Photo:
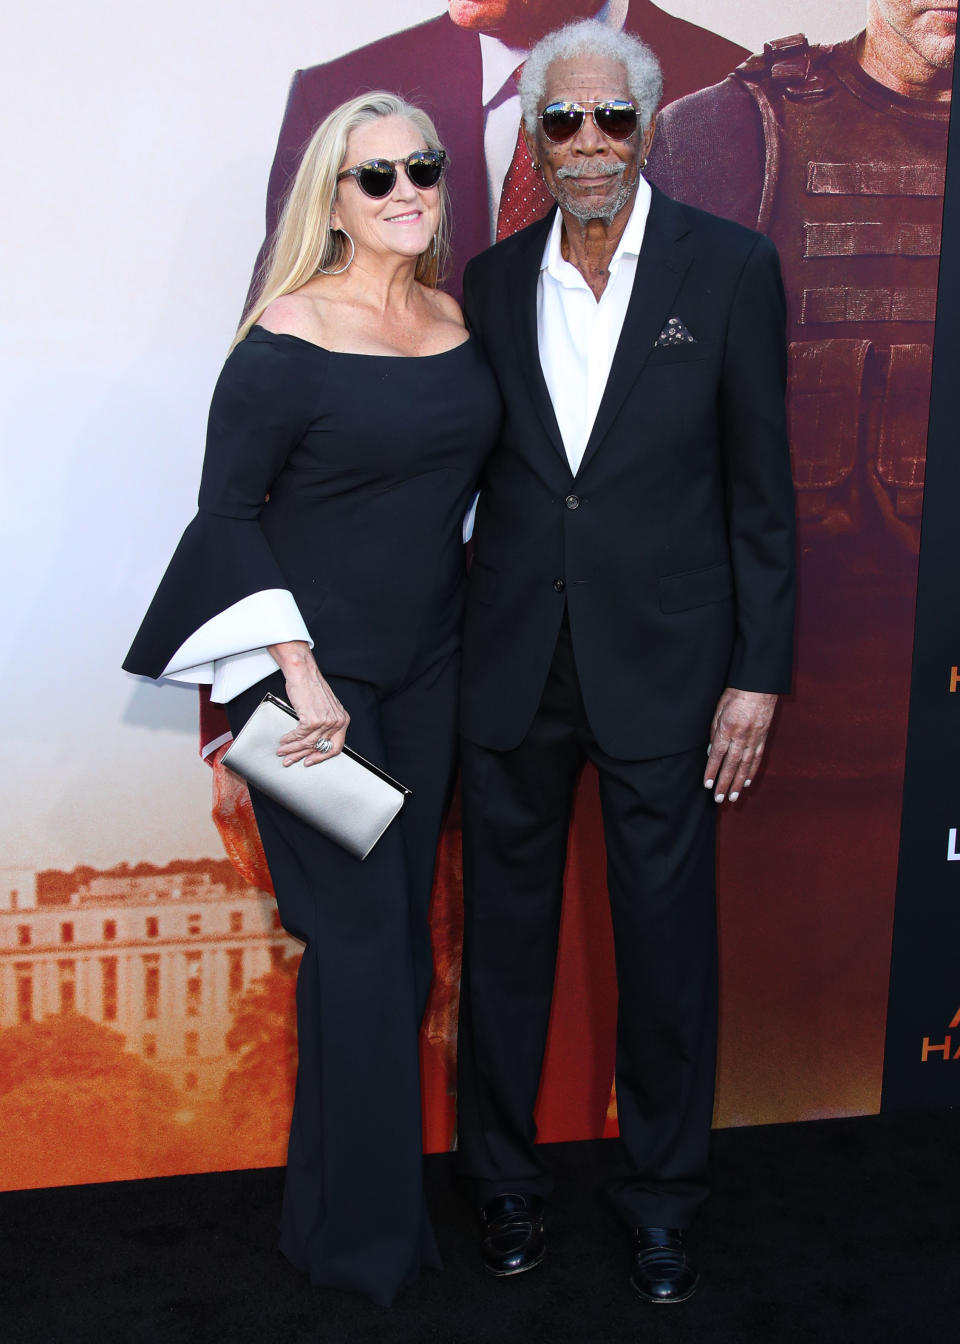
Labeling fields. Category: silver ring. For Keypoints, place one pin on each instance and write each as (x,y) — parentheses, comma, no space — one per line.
(323,745)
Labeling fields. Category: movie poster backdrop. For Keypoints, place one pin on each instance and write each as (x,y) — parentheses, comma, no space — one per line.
(146,989)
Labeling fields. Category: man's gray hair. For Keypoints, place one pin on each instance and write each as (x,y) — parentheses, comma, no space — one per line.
(589,36)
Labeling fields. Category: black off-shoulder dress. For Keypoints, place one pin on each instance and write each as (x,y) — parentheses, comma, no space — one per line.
(333,490)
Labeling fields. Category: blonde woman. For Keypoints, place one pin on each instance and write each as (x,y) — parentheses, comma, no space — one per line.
(346,435)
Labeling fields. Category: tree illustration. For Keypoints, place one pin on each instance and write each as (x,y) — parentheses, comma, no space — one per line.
(76,1106)
(257,1094)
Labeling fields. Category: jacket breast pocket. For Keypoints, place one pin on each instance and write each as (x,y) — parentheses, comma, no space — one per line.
(695,588)
(687,353)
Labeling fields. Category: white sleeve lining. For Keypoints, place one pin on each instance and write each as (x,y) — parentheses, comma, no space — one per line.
(230,650)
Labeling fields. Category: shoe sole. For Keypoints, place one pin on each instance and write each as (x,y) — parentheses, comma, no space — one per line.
(665,1301)
(512,1273)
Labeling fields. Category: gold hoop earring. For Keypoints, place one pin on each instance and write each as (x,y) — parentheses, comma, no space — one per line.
(348,263)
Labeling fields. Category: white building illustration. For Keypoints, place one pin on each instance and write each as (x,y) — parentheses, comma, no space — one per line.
(162,959)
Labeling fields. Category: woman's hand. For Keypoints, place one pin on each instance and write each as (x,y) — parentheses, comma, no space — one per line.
(322,717)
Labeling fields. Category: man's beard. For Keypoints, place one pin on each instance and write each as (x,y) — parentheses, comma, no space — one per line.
(582,210)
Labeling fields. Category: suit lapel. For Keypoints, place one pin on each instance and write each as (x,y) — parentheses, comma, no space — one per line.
(661,266)
(523,301)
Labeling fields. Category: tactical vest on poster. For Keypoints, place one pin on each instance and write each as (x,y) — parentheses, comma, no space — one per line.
(853,198)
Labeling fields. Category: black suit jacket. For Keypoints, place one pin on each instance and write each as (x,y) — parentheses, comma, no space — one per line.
(437,66)
(673,547)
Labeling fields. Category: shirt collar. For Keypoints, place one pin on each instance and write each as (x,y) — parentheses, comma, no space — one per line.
(631,240)
(499,61)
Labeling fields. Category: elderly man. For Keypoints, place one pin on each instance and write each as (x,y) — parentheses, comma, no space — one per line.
(631,604)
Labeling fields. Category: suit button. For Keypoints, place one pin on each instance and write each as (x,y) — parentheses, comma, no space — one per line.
(572,501)
(559,585)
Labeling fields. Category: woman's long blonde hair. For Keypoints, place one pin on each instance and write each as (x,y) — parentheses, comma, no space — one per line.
(304,241)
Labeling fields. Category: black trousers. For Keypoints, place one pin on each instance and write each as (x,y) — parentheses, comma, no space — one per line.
(354,1215)
(659,832)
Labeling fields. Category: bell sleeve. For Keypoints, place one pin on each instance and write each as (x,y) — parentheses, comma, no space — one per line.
(223,598)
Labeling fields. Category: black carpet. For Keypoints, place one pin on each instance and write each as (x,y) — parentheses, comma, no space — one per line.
(838,1230)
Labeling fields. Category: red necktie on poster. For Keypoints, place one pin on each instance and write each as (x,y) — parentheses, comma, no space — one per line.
(524,197)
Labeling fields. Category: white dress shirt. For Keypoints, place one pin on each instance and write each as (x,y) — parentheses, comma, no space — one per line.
(577,334)
(501,116)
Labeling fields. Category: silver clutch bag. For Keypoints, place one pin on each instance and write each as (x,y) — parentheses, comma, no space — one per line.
(346,799)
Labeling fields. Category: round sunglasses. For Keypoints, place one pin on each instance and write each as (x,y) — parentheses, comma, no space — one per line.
(378,177)
(616,118)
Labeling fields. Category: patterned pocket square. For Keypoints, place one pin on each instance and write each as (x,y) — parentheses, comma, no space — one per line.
(674,333)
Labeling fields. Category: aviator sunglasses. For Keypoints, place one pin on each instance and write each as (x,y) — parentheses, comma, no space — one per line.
(378,177)
(616,118)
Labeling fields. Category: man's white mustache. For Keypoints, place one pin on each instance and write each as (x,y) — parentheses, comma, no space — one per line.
(590,169)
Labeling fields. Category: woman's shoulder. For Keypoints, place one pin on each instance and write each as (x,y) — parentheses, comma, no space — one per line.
(299,314)
(446,317)
(276,358)
(444,306)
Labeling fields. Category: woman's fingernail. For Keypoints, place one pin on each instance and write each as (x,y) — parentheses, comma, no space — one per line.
(719,797)
(734,797)
(708,783)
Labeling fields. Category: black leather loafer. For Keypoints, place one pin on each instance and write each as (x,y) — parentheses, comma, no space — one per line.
(512,1238)
(662,1271)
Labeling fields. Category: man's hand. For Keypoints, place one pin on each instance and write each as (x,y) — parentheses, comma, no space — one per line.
(738,735)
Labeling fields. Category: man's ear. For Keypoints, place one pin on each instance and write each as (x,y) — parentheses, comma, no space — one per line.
(531,141)
(648,137)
